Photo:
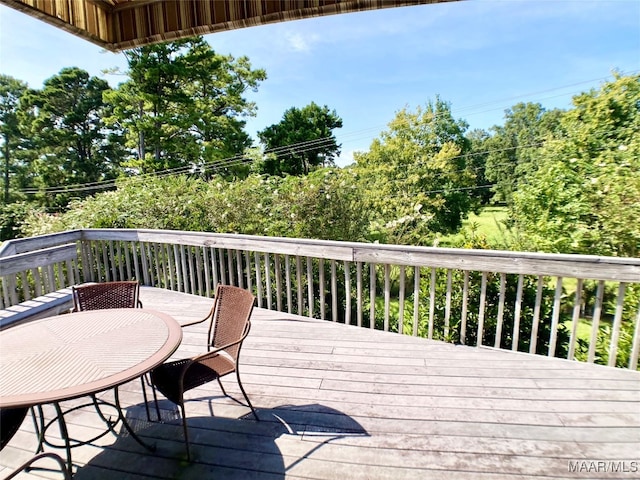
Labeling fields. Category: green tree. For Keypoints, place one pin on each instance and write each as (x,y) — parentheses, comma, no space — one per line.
(512,150)
(477,160)
(183,105)
(416,177)
(585,195)
(11,90)
(72,143)
(301,141)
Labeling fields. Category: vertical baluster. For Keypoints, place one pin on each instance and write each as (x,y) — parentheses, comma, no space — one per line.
(177,262)
(126,247)
(465,306)
(535,322)
(555,316)
(595,322)
(247,261)
(37,282)
(60,278)
(256,256)
(170,266)
(372,295)
(223,269)
(617,321)
(120,262)
(300,278)
(4,301)
(499,321)
(483,300)
(287,267)
(207,271)
(347,289)
(112,261)
(447,307)
(184,268)
(239,268)
(401,302)
(197,251)
(70,274)
(10,289)
(26,294)
(143,261)
(575,320)
(323,309)
(432,301)
(635,349)
(230,272)
(267,277)
(105,261)
(51,281)
(334,292)
(136,265)
(310,299)
(387,295)
(150,263)
(87,262)
(162,272)
(359,293)
(214,268)
(278,273)
(516,314)
(416,300)
(191,256)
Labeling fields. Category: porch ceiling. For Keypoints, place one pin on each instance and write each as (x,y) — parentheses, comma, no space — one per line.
(121,24)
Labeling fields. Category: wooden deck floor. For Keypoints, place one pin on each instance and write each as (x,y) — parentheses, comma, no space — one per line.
(339,402)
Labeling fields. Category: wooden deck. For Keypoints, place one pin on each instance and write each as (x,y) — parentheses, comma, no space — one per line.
(341,402)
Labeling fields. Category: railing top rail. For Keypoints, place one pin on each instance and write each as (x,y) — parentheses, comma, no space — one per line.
(502,261)
(23,261)
(537,263)
(29,244)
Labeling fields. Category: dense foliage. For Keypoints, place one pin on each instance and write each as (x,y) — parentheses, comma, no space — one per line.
(584,195)
(169,147)
(418,182)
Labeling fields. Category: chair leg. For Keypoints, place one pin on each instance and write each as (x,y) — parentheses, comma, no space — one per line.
(253,410)
(222,388)
(186,431)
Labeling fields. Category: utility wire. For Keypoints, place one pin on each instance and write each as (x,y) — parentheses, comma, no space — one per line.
(240,159)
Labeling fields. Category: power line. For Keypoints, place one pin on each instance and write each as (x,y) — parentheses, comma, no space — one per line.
(297,148)
(300,147)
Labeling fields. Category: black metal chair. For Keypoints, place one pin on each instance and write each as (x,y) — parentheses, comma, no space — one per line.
(10,421)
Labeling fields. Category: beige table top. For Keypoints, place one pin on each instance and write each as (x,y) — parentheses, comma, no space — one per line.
(72,355)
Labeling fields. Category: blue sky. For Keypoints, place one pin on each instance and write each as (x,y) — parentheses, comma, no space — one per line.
(481,56)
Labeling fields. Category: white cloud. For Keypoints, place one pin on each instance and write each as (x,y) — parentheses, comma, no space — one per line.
(301,42)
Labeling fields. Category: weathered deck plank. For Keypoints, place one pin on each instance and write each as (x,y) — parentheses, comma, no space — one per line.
(339,402)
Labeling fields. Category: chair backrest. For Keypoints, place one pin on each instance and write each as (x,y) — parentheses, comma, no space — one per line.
(96,296)
(10,421)
(230,320)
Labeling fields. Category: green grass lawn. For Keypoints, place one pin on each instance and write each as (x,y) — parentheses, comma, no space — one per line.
(489,223)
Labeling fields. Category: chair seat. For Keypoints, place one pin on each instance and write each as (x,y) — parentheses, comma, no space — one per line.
(198,373)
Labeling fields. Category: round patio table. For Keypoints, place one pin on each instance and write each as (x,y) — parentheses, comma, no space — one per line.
(77,354)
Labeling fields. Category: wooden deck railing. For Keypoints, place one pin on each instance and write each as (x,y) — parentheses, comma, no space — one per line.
(529,302)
